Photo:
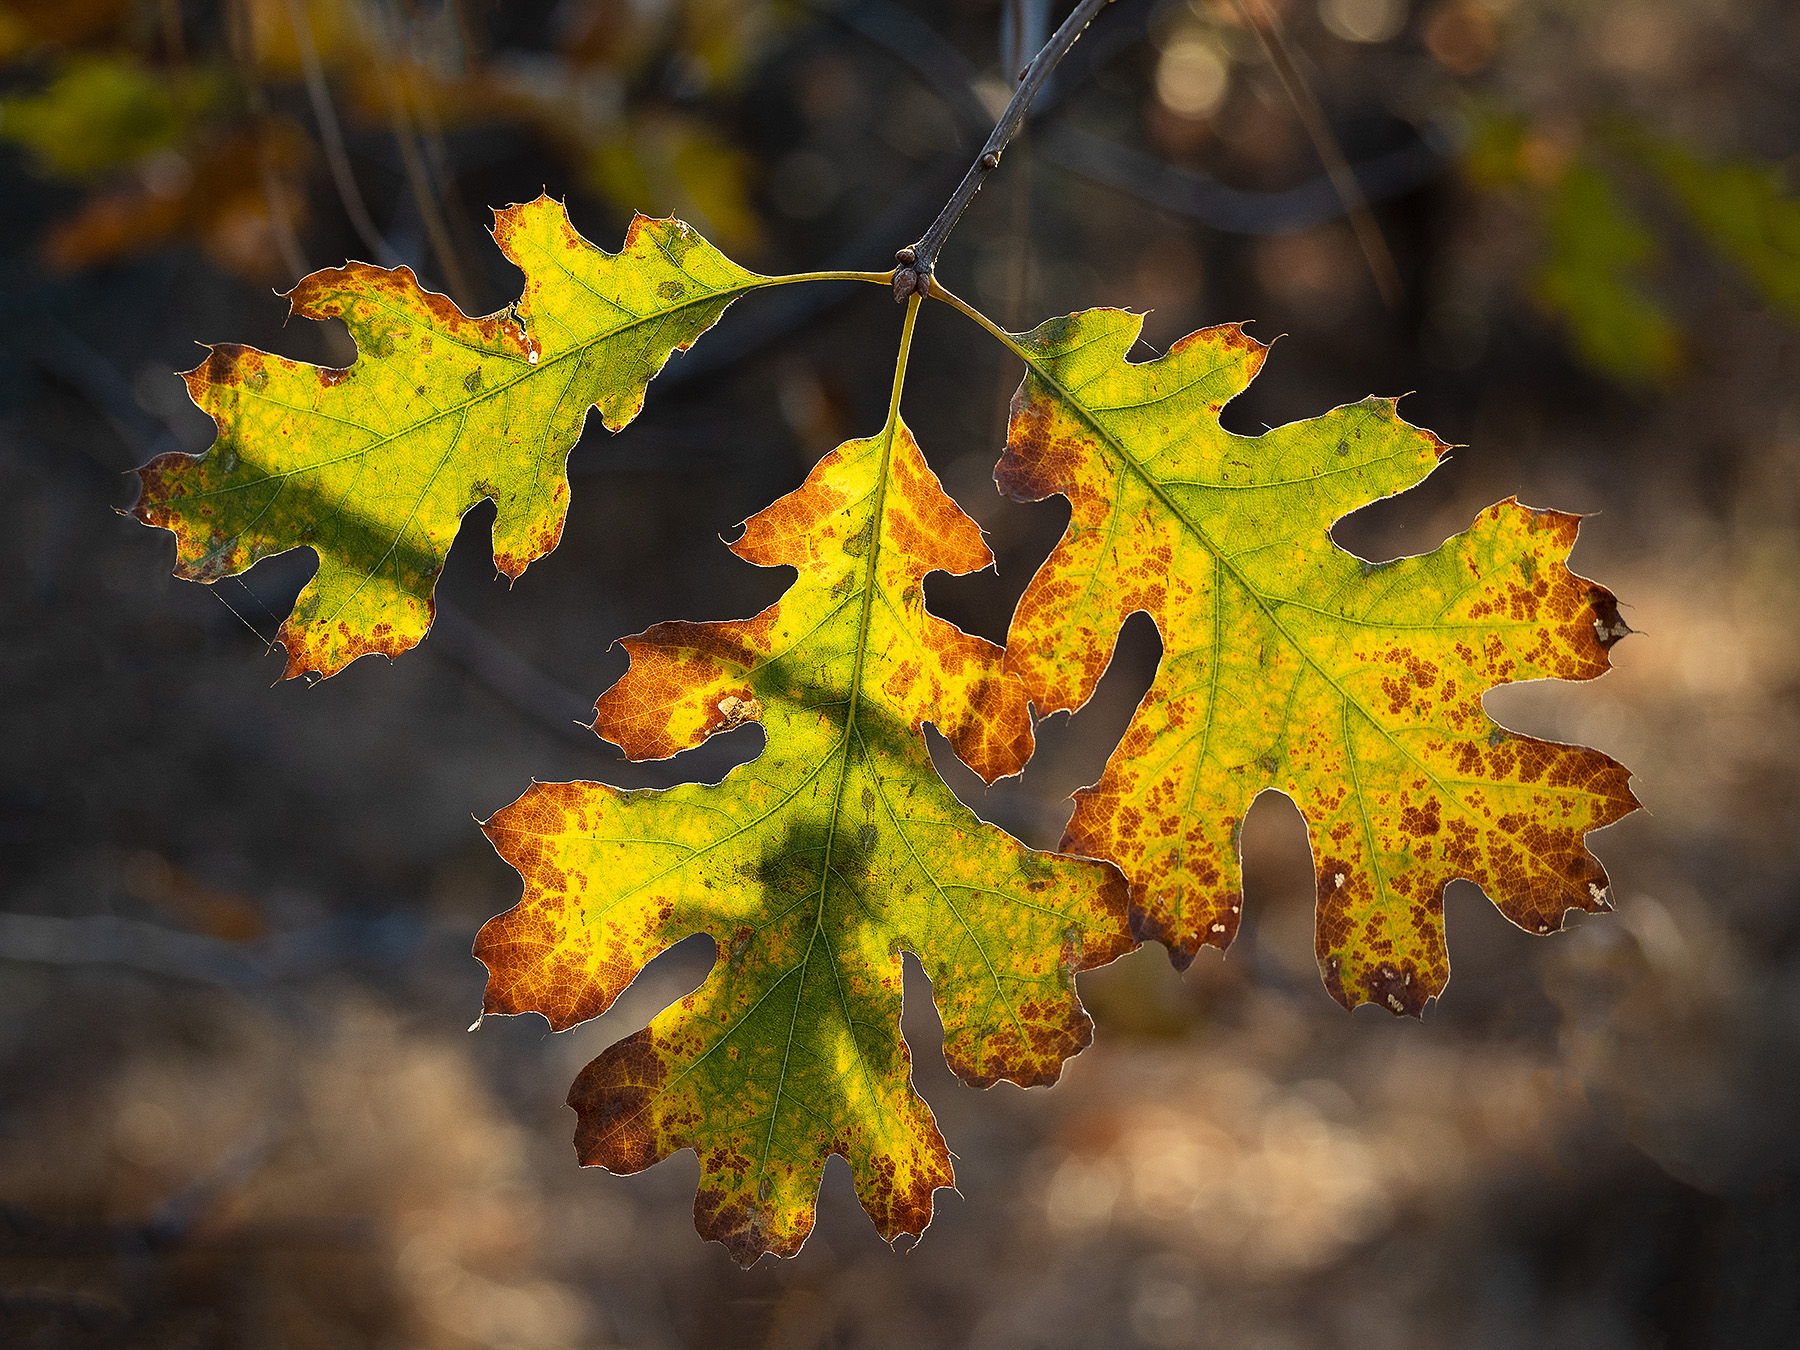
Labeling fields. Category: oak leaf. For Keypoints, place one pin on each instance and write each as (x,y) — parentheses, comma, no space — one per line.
(1288,663)
(374,466)
(813,867)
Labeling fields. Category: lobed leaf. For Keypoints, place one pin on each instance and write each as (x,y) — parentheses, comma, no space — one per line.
(1288,663)
(813,867)
(374,466)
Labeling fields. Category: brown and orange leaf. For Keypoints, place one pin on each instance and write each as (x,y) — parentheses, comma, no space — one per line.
(813,868)
(374,466)
(1288,663)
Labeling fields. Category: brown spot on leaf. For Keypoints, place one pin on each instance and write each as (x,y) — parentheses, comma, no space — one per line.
(613,1099)
(1421,820)
(1396,988)
(1148,927)
(905,1209)
(314,647)
(221,365)
(1036,463)
(673,694)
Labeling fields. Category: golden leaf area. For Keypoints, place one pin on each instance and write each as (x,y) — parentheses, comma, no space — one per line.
(1288,664)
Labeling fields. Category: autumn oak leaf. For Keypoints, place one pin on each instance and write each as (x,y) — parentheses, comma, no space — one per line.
(1288,663)
(373,466)
(813,868)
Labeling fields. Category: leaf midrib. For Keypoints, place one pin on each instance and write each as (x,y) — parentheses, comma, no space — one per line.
(852,705)
(531,371)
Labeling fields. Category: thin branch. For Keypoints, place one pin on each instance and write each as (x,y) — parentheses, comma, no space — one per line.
(449,194)
(916,262)
(1318,130)
(553,706)
(154,949)
(281,221)
(922,48)
(1234,210)
(395,50)
(331,137)
(436,230)
(58,351)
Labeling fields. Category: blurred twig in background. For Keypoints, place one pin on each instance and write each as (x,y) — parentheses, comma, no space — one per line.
(1267,28)
(331,136)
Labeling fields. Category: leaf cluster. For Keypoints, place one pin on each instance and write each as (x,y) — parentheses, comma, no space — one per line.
(1288,664)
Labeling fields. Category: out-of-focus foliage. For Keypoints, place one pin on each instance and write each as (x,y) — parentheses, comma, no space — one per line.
(671,158)
(1599,178)
(220,130)
(1747,212)
(1597,254)
(223,194)
(1601,251)
(103,112)
(28,27)
(215,130)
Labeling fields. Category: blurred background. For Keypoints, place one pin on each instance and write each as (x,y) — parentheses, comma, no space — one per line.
(238,1106)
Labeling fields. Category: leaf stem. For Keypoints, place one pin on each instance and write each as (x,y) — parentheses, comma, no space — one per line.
(791,278)
(917,261)
(941,292)
(1369,239)
(906,337)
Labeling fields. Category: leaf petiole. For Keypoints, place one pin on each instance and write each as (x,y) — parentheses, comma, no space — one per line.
(941,292)
(906,337)
(874,278)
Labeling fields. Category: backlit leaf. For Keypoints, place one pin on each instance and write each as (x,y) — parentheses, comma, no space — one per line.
(813,867)
(374,466)
(1290,664)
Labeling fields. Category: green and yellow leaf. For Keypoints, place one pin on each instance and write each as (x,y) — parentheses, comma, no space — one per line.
(374,466)
(1288,663)
(813,868)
